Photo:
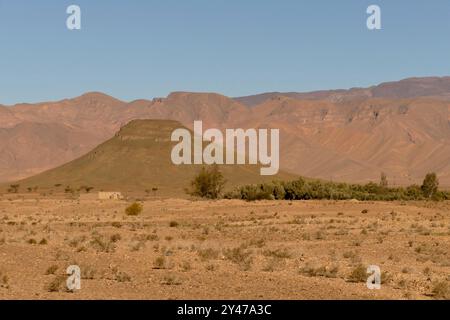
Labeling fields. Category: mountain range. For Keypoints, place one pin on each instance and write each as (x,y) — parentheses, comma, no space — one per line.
(399,128)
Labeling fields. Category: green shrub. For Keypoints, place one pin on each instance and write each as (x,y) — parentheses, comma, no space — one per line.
(208,183)
(430,185)
(253,193)
(414,192)
(134,209)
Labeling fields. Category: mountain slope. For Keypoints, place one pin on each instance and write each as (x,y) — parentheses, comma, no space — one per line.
(405,138)
(28,148)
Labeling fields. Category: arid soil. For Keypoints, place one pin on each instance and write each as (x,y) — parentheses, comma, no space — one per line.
(181,249)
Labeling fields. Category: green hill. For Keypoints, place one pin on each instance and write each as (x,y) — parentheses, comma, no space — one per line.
(136,159)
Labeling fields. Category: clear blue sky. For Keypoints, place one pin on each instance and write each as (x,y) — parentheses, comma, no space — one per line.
(148,48)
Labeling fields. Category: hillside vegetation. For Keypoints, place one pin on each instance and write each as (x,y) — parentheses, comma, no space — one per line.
(303,189)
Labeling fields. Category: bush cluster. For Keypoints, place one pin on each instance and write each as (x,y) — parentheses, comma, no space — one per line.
(208,183)
(303,189)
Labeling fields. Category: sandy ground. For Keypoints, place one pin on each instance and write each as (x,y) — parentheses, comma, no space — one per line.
(180,249)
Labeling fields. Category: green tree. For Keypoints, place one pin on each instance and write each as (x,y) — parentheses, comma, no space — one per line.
(383,180)
(208,183)
(430,185)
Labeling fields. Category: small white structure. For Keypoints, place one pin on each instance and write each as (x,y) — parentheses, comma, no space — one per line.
(101,196)
(110,196)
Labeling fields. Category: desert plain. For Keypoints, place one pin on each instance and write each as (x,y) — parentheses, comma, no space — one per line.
(226,249)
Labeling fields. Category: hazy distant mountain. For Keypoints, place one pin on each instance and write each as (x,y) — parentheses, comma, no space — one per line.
(408,88)
(401,128)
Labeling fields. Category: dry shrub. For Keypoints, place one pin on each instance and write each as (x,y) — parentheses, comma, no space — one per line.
(134,209)
(358,274)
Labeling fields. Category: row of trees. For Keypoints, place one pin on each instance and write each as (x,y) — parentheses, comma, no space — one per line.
(429,188)
(209,183)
